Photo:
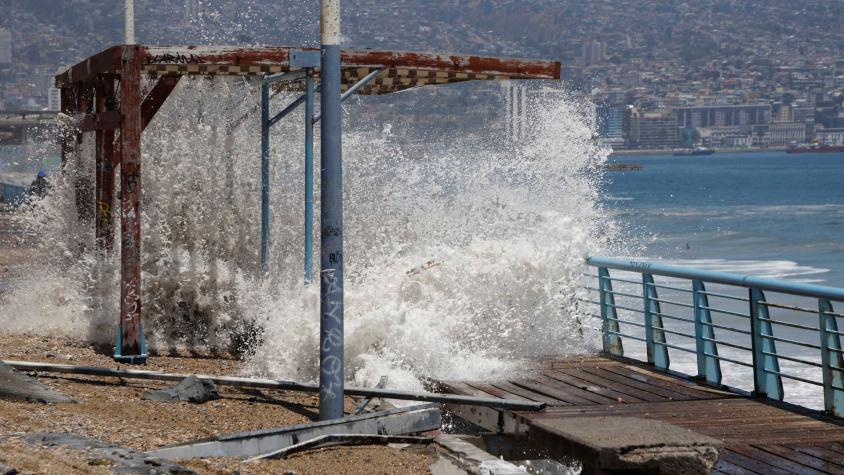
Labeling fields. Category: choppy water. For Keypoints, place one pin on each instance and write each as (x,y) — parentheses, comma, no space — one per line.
(461,260)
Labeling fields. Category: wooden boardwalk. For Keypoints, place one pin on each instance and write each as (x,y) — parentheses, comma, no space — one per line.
(759,436)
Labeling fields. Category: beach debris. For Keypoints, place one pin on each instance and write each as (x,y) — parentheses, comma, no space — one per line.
(382,382)
(400,421)
(16,386)
(452,399)
(118,459)
(6,470)
(190,389)
(344,439)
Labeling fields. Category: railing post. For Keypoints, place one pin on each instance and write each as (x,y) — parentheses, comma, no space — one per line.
(708,367)
(657,354)
(609,317)
(832,361)
(764,349)
(265,176)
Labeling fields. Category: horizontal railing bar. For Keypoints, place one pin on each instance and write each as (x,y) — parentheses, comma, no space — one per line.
(725,343)
(724,296)
(666,287)
(729,360)
(835,351)
(725,312)
(626,322)
(623,294)
(672,332)
(789,324)
(616,279)
(593,315)
(588,301)
(790,342)
(679,319)
(680,348)
(594,276)
(834,332)
(619,307)
(729,329)
(773,285)
(834,314)
(796,378)
(626,336)
(790,358)
(787,307)
(671,302)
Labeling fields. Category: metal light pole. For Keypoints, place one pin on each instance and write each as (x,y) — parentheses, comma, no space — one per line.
(129,18)
(331,377)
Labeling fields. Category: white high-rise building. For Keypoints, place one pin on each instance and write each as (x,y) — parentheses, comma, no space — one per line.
(54,99)
(5,46)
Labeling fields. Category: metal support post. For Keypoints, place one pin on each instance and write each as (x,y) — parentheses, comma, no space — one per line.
(265,176)
(309,177)
(654,333)
(766,367)
(708,365)
(832,360)
(609,316)
(130,346)
(331,376)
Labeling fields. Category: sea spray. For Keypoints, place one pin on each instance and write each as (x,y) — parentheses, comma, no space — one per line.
(462,256)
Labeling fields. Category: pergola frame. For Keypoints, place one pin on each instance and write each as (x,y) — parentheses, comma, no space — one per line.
(119,115)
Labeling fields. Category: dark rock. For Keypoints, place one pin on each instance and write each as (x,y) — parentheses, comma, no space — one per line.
(190,389)
(20,387)
(4,470)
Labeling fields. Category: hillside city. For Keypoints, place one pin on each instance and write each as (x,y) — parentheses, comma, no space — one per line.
(725,74)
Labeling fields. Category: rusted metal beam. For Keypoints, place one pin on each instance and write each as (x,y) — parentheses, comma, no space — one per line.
(104,220)
(83,183)
(156,97)
(105,120)
(107,61)
(227,56)
(130,347)
(68,106)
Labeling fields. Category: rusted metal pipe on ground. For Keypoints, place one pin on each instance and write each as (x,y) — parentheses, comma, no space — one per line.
(279,385)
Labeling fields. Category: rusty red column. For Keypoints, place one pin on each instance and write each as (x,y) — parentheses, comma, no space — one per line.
(130,345)
(104,220)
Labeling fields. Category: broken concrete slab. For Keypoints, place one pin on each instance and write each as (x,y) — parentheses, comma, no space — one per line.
(190,389)
(608,445)
(472,459)
(122,460)
(20,387)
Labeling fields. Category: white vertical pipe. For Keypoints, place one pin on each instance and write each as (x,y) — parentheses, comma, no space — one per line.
(129,19)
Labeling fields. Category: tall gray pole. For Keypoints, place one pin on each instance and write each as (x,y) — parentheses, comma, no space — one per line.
(129,22)
(331,377)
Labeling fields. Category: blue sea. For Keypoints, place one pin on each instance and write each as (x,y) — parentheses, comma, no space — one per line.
(770,214)
(765,214)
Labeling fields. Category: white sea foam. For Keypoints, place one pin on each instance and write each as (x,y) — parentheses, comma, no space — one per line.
(461,261)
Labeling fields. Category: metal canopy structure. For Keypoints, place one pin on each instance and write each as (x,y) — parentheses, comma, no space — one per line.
(102,94)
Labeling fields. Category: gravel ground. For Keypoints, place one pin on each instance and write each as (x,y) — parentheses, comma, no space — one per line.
(111,410)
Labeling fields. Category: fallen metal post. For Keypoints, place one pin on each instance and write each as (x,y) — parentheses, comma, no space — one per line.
(408,420)
(344,439)
(352,90)
(508,404)
(331,360)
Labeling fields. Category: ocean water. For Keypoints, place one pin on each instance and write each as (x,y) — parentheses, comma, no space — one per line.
(764,214)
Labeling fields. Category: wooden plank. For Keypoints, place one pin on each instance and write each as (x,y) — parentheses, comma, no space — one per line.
(803,459)
(722,466)
(823,454)
(568,395)
(618,397)
(465,389)
(771,459)
(652,388)
(834,446)
(616,386)
(691,389)
(751,464)
(526,393)
(489,389)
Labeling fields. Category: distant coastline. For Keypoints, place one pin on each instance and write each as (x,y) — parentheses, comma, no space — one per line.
(640,153)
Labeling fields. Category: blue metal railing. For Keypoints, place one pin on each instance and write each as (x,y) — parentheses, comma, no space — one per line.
(750,319)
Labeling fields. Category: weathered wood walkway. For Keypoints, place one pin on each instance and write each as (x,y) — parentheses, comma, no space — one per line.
(759,436)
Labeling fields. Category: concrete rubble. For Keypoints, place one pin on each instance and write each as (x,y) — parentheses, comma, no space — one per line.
(19,387)
(190,389)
